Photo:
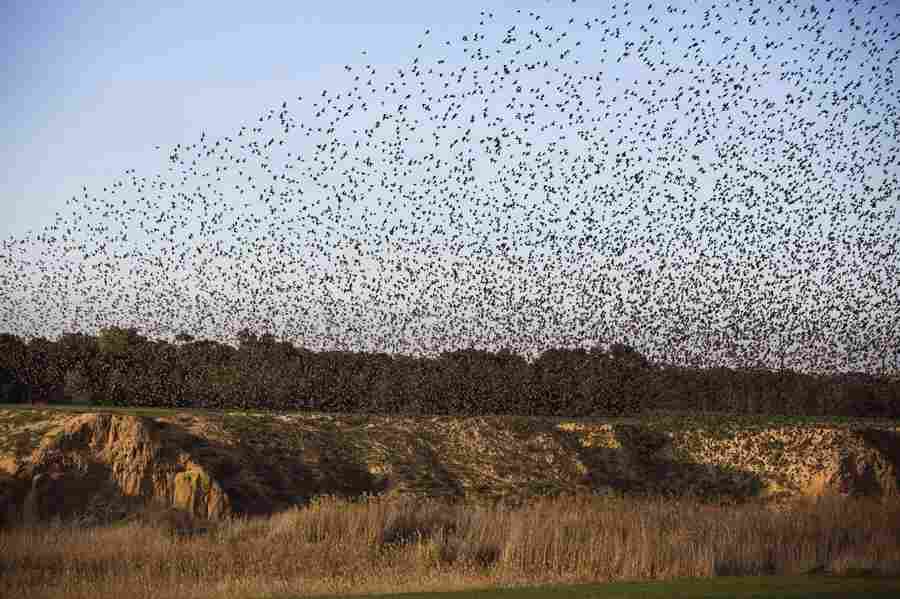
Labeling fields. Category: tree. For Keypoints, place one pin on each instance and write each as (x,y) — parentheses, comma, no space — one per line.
(116,341)
(184,338)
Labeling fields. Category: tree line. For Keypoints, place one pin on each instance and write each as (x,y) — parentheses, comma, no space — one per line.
(121,367)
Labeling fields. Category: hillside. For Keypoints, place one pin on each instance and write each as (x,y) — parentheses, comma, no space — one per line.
(69,461)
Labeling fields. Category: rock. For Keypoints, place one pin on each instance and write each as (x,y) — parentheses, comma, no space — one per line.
(196,494)
(103,458)
(211,468)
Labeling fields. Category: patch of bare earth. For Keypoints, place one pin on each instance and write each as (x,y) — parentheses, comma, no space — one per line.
(222,464)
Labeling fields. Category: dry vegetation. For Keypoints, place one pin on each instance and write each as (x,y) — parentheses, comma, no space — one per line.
(407,544)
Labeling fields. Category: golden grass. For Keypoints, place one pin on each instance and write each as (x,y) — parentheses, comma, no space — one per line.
(405,544)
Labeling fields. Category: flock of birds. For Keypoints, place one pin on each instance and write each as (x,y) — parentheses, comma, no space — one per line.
(713,183)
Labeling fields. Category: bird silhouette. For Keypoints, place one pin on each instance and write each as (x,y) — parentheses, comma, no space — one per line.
(716,183)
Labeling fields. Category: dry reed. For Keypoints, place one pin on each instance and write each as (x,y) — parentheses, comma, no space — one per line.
(407,544)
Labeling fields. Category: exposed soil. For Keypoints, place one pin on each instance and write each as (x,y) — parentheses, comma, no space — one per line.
(63,463)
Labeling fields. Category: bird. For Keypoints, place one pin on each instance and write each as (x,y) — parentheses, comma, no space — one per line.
(716,183)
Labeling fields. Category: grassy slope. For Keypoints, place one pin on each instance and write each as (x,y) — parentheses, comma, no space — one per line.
(479,454)
(660,419)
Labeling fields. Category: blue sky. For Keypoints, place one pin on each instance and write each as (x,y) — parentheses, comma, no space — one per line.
(95,87)
(92,87)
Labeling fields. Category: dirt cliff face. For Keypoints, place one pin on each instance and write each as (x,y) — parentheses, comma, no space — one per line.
(89,459)
(54,462)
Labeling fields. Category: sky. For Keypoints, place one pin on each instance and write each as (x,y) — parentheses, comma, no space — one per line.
(93,87)
(100,89)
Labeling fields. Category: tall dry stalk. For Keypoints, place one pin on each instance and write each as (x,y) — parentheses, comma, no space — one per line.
(406,544)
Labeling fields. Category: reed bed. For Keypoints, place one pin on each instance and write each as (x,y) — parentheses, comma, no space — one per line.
(405,544)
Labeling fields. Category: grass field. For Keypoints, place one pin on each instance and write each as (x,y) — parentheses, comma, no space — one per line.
(728,587)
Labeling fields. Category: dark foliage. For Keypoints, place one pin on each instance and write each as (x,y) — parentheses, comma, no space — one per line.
(122,368)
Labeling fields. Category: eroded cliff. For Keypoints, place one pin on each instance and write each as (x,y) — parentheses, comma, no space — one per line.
(55,462)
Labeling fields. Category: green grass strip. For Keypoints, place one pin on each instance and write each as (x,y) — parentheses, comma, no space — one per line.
(723,587)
